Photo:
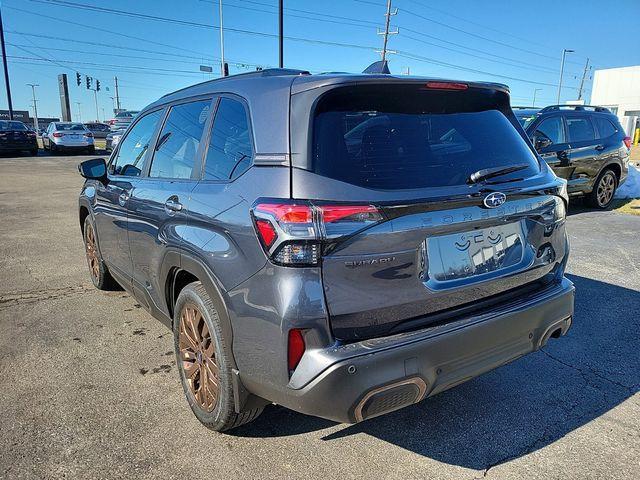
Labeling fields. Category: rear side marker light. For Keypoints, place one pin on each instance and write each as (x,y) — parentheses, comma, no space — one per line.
(447,86)
(627,142)
(267,233)
(295,348)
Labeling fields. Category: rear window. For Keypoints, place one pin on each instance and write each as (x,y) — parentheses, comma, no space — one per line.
(10,125)
(373,138)
(70,126)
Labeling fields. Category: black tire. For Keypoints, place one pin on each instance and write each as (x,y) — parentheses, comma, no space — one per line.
(52,148)
(91,150)
(604,190)
(221,416)
(99,273)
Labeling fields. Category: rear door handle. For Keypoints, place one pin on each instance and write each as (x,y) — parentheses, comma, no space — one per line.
(599,147)
(172,205)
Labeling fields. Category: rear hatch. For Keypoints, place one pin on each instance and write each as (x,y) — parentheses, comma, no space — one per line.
(418,238)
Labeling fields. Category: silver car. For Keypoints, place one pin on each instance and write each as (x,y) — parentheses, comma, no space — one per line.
(112,139)
(123,119)
(68,136)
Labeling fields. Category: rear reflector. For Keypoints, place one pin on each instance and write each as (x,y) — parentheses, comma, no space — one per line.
(627,142)
(447,86)
(296,348)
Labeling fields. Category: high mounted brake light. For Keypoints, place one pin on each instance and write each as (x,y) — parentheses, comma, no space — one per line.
(447,86)
(291,233)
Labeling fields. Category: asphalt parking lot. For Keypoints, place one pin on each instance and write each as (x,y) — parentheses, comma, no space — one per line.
(89,388)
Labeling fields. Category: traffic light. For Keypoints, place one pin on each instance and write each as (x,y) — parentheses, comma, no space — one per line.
(78,78)
(88,83)
(97,85)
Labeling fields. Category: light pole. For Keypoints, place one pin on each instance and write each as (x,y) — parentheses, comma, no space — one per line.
(79,113)
(222,72)
(564,53)
(534,96)
(35,104)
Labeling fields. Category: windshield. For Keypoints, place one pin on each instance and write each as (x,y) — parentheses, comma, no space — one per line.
(525,120)
(9,125)
(392,146)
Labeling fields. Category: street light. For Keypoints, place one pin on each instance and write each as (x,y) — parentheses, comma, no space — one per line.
(564,53)
(533,104)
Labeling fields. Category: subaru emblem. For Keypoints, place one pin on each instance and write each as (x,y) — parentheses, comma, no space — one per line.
(494,199)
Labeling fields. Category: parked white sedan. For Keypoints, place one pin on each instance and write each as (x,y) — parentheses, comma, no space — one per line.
(68,136)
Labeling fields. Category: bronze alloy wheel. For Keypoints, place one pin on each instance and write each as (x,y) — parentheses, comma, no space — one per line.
(198,356)
(92,253)
(606,188)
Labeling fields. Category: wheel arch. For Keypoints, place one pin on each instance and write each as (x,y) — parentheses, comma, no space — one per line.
(180,269)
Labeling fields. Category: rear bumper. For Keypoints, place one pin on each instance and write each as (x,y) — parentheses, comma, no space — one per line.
(362,380)
(11,146)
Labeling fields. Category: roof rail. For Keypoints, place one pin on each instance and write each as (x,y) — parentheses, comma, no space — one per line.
(522,107)
(267,72)
(553,108)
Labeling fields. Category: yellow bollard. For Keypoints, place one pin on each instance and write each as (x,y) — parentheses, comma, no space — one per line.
(637,137)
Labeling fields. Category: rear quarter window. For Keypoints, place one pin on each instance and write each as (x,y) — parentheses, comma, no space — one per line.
(605,127)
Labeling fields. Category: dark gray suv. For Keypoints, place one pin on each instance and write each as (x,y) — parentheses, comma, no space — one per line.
(342,245)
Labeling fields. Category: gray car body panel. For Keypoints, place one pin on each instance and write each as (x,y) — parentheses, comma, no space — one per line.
(213,238)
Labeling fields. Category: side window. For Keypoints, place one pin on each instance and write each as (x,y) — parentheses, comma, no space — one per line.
(178,142)
(551,128)
(580,129)
(129,160)
(230,152)
(605,127)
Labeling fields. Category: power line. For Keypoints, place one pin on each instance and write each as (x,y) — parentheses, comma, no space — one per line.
(472,70)
(180,22)
(445,25)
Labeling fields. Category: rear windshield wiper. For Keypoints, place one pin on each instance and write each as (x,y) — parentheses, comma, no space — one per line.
(487,173)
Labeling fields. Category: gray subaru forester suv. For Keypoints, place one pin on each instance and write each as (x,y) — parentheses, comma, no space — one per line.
(343,245)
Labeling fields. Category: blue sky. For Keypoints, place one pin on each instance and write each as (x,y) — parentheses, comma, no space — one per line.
(514,42)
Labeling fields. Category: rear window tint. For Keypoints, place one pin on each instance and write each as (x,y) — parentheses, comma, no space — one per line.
(580,129)
(416,140)
(605,127)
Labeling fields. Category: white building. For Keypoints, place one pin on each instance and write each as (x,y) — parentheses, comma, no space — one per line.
(619,90)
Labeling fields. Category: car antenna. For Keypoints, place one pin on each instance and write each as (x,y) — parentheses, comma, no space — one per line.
(380,67)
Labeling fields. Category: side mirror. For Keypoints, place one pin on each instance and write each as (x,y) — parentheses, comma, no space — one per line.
(94,169)
(541,142)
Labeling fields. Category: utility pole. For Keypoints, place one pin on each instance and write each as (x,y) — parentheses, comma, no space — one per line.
(79,112)
(564,53)
(115,80)
(386,32)
(584,75)
(35,104)
(6,70)
(407,71)
(95,98)
(222,69)
(280,34)
(536,90)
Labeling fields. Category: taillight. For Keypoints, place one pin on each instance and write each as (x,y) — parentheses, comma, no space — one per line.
(292,232)
(295,348)
(627,142)
(31,134)
(58,134)
(447,86)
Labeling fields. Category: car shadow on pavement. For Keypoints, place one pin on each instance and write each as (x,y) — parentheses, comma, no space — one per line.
(518,408)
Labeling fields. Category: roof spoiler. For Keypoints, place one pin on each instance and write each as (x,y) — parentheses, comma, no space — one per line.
(379,67)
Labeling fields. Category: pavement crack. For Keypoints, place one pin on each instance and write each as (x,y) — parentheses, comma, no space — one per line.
(591,371)
(32,296)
